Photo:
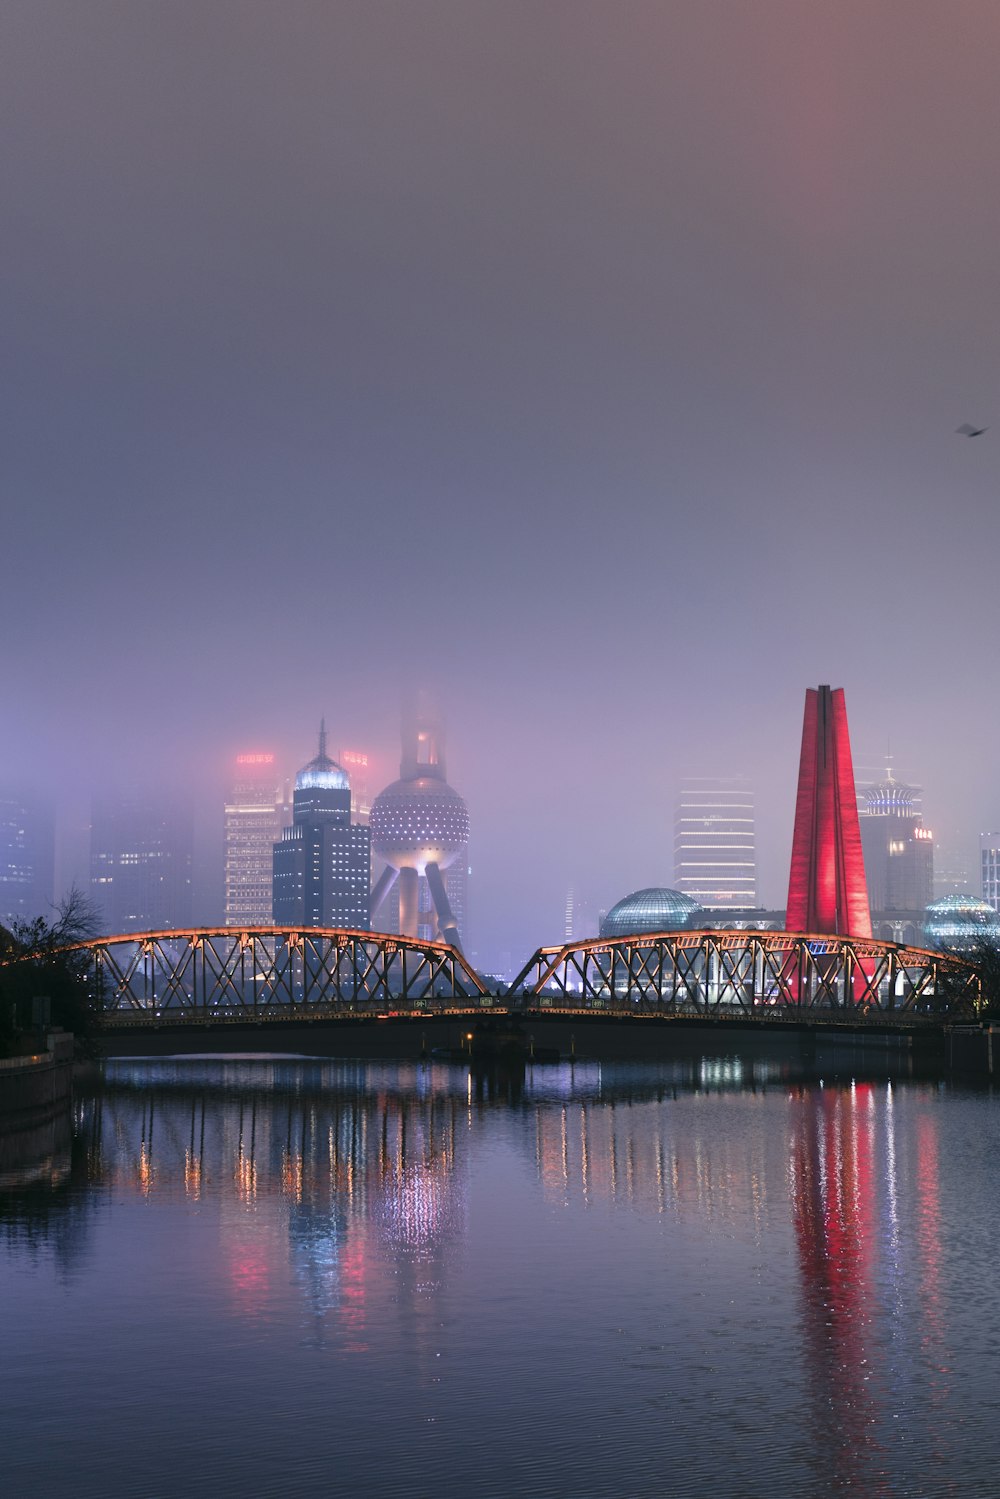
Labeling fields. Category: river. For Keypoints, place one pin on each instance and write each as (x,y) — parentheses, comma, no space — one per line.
(710,1277)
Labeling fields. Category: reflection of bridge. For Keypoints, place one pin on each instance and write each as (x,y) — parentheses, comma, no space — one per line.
(280,974)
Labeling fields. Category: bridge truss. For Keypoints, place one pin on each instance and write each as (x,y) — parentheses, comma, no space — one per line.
(755,973)
(270,973)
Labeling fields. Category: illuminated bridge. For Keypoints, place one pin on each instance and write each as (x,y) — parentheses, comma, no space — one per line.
(751,974)
(212,976)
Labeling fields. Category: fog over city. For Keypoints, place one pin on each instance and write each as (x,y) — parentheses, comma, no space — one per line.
(596,367)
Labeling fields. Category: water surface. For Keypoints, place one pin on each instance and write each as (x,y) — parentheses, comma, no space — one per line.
(273,1277)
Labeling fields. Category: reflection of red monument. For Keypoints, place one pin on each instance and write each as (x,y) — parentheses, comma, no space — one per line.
(827,892)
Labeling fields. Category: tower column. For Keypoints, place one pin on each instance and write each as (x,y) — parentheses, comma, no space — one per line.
(408,885)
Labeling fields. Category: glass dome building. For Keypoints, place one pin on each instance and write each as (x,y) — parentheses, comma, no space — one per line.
(652,910)
(960,921)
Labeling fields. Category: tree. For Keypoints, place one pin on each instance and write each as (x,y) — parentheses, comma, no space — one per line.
(36,959)
(982,955)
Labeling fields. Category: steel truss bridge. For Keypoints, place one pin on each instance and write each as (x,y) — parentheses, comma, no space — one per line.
(757,975)
(281,974)
(270,973)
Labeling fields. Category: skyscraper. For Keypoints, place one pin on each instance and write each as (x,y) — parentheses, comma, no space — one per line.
(27,847)
(898,849)
(322,863)
(140,864)
(714,858)
(989,865)
(253,825)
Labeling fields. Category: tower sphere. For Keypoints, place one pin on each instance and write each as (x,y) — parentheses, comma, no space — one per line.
(419,821)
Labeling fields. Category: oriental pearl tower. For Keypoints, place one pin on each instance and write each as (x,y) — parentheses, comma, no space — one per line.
(419,825)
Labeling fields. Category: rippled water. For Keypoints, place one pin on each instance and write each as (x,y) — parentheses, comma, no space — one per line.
(259,1277)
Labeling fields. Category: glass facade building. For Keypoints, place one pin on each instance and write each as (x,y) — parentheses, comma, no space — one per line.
(140,864)
(989,868)
(714,852)
(254,820)
(27,846)
(321,867)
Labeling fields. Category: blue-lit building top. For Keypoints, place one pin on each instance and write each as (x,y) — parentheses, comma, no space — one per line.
(655,909)
(321,867)
(960,921)
(322,789)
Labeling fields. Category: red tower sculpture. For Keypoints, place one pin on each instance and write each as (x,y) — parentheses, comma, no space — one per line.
(827,891)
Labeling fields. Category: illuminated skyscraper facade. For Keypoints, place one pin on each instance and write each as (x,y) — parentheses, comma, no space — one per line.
(140,864)
(989,866)
(254,822)
(714,856)
(898,850)
(26,859)
(322,863)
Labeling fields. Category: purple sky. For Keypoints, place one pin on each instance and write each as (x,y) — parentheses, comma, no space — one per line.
(596,364)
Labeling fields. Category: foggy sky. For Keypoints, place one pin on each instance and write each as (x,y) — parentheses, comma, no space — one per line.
(595,364)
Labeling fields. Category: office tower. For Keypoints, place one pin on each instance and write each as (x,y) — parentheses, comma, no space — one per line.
(254,820)
(826,881)
(355,762)
(140,864)
(322,863)
(27,856)
(714,859)
(989,868)
(420,828)
(898,849)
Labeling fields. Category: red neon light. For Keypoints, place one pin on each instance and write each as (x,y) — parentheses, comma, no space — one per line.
(827,890)
(353,757)
(255,759)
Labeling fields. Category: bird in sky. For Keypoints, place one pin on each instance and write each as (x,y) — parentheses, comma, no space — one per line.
(967,430)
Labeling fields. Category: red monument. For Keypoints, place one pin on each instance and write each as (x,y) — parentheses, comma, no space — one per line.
(827,892)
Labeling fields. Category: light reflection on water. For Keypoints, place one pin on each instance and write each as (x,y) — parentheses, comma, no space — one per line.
(712,1276)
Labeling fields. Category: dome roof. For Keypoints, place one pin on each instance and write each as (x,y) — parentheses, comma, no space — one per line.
(955,920)
(889,796)
(322,773)
(652,910)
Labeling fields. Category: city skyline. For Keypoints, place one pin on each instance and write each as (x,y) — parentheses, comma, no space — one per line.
(627,326)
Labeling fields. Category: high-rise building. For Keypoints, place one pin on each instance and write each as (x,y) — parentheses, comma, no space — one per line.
(898,850)
(27,847)
(254,820)
(140,864)
(322,863)
(714,858)
(355,762)
(989,867)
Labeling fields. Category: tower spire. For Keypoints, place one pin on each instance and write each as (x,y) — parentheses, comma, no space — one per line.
(322,738)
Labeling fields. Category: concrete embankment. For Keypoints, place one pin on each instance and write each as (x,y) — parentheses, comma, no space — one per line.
(974,1049)
(33,1089)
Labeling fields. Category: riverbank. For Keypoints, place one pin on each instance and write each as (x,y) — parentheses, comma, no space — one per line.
(35,1088)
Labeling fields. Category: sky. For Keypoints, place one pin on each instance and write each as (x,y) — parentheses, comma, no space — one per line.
(595,366)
